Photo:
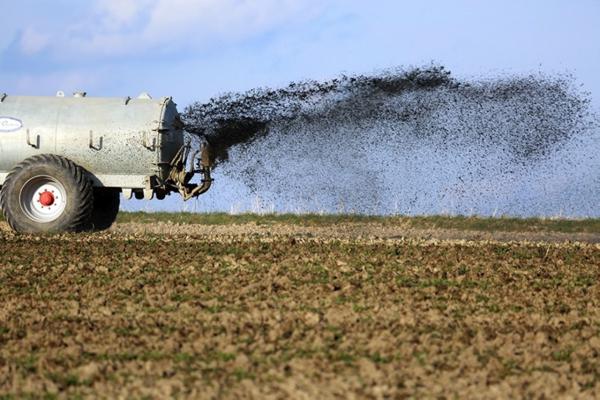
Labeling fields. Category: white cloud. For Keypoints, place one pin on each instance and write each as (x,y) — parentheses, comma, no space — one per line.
(33,41)
(118,13)
(133,27)
(222,18)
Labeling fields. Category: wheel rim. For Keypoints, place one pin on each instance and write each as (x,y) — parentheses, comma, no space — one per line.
(43,199)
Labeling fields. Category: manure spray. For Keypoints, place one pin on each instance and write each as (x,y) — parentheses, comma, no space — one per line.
(407,141)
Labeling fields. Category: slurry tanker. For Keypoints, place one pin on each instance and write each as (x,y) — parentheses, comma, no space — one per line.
(65,161)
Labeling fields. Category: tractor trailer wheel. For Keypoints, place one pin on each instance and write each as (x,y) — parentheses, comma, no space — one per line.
(47,193)
(106,208)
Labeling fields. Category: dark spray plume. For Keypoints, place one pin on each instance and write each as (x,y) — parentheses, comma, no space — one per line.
(239,118)
(410,141)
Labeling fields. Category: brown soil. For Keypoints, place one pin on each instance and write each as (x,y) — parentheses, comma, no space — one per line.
(353,231)
(346,311)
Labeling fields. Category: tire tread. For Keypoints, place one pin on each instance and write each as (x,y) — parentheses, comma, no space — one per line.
(86,203)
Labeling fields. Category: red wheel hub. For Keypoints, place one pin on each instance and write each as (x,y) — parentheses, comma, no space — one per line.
(46,199)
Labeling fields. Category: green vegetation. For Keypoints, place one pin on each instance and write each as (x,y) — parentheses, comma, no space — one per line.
(463,223)
(485,224)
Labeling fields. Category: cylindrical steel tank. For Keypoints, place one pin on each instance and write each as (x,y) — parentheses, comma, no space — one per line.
(121,142)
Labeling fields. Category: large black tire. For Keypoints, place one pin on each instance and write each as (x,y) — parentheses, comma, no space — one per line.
(22,196)
(106,208)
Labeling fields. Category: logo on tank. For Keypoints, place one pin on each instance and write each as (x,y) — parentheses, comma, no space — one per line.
(10,124)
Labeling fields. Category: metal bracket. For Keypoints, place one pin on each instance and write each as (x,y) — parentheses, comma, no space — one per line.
(181,177)
(91,142)
(36,144)
(152,146)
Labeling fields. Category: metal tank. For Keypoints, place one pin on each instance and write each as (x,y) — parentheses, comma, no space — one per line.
(129,145)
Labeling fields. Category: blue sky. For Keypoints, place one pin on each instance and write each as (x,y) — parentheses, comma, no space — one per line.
(196,49)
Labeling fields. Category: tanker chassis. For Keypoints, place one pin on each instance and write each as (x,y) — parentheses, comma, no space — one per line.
(64,161)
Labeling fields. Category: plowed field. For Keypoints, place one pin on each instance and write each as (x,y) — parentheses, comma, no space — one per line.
(283,310)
